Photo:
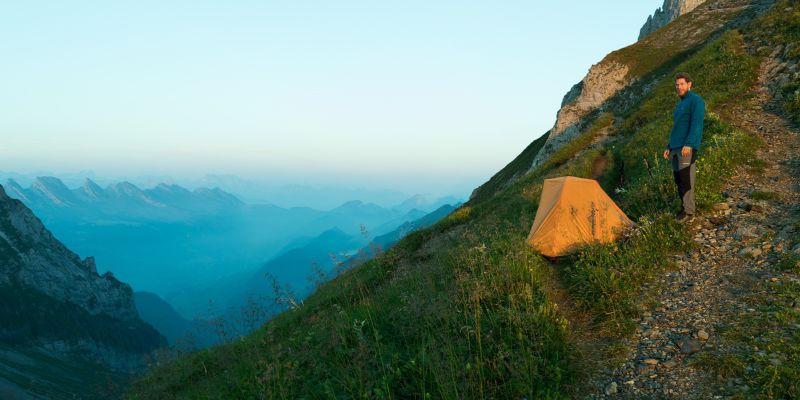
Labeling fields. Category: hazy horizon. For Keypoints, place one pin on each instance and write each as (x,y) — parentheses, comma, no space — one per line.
(412,96)
(284,194)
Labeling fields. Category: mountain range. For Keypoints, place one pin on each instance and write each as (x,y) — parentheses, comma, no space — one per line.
(177,243)
(59,314)
(163,202)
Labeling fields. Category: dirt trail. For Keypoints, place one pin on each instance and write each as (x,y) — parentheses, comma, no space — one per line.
(739,245)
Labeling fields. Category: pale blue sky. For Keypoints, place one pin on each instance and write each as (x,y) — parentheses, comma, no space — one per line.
(343,92)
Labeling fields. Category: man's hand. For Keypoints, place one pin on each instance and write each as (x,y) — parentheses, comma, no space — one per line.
(686,151)
(666,154)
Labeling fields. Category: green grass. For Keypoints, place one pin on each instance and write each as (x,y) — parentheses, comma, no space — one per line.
(780,27)
(756,166)
(654,55)
(471,323)
(764,346)
(579,143)
(789,262)
(763,195)
(460,310)
(607,279)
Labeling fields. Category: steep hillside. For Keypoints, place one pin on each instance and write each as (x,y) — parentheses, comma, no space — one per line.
(388,239)
(465,309)
(616,84)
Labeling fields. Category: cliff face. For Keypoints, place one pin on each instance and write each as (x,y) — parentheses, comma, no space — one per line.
(667,13)
(603,80)
(36,259)
(51,299)
(624,76)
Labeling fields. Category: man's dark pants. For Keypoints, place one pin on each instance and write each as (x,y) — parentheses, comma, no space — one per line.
(683,169)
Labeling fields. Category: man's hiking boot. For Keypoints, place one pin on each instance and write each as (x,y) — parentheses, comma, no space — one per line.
(683,217)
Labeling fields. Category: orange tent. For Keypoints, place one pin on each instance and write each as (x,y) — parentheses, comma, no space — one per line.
(573,211)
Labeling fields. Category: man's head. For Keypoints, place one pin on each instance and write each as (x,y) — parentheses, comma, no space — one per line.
(683,83)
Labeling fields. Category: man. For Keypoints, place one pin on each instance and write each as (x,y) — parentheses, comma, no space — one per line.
(684,141)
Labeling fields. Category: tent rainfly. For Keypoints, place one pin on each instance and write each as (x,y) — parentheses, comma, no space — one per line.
(573,211)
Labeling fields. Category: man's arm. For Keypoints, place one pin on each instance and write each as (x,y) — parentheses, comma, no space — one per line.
(696,124)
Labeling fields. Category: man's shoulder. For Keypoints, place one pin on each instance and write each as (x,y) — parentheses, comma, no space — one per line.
(696,97)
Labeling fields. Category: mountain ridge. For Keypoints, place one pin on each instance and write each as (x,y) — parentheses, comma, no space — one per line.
(665,14)
(35,259)
(54,305)
(621,79)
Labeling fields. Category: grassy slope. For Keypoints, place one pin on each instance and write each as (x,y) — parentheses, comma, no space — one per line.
(460,310)
(648,60)
(35,373)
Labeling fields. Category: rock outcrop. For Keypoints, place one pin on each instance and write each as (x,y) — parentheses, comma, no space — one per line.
(39,261)
(624,77)
(603,81)
(620,74)
(667,13)
(52,299)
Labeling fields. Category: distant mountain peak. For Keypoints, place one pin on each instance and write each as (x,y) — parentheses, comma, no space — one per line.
(356,206)
(92,190)
(414,201)
(127,189)
(49,196)
(15,190)
(171,188)
(53,189)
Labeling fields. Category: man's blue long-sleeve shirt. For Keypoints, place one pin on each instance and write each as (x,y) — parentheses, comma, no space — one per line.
(687,127)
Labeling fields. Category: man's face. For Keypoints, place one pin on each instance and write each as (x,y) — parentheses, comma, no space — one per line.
(682,86)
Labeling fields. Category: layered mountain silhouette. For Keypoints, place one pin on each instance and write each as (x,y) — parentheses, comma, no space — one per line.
(163,202)
(177,242)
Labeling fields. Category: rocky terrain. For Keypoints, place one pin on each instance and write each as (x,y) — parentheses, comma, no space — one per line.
(63,327)
(40,262)
(740,246)
(625,77)
(667,13)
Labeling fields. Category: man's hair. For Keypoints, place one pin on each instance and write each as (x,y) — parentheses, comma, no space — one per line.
(685,76)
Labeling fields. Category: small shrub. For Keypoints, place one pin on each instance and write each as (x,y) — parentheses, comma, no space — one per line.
(789,262)
(763,195)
